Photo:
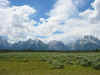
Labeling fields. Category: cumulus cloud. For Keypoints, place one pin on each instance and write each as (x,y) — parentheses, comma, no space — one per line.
(58,16)
(93,15)
(4,3)
(63,18)
(15,21)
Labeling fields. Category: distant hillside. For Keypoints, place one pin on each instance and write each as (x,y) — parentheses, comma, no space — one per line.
(87,43)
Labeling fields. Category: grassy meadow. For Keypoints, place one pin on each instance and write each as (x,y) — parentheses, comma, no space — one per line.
(49,63)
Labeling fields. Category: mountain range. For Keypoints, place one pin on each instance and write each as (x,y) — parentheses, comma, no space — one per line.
(85,43)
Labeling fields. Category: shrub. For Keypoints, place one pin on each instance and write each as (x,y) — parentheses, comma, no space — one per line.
(79,57)
(96,66)
(57,65)
(3,70)
(44,59)
(50,61)
(70,62)
(25,60)
(97,59)
(85,62)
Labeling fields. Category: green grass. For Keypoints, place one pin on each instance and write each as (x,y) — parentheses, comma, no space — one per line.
(48,63)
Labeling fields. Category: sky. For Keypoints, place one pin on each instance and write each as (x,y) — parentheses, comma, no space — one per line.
(61,20)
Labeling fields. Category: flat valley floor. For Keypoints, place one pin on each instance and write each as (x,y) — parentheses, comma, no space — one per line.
(49,63)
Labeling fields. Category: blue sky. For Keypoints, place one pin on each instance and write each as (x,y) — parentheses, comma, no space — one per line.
(44,6)
(86,4)
(49,19)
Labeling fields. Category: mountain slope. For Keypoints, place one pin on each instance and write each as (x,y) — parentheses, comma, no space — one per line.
(57,45)
(87,43)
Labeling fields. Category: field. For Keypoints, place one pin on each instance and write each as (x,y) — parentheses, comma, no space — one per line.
(49,63)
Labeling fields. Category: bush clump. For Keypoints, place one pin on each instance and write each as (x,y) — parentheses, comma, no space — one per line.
(96,66)
(43,59)
(57,65)
(60,66)
(85,62)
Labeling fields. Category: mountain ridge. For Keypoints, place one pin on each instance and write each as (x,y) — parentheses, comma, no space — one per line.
(86,43)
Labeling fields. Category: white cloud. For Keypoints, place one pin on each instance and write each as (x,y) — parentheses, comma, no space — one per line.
(62,11)
(59,19)
(4,3)
(93,15)
(15,21)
